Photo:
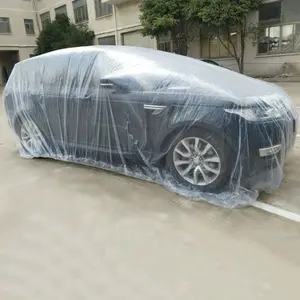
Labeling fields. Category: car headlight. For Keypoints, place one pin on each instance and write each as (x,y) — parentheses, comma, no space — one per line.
(256,113)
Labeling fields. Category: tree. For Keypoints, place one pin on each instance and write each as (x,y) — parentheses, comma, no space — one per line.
(174,17)
(61,33)
(227,21)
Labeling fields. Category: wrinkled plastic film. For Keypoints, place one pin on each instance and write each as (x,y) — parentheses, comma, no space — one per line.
(200,130)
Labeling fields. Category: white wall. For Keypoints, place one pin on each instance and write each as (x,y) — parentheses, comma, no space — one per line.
(17,41)
(17,11)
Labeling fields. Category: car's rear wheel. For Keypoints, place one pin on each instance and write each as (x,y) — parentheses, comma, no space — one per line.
(31,138)
(200,159)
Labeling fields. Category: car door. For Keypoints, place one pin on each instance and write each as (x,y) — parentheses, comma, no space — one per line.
(102,116)
(68,100)
(123,123)
(93,112)
(81,102)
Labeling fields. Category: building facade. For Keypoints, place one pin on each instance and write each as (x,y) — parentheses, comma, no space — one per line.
(114,25)
(18,29)
(116,22)
(277,51)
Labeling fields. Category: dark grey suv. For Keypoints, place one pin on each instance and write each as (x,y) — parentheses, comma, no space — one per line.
(210,128)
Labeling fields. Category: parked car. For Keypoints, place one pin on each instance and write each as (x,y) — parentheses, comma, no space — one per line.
(212,62)
(210,128)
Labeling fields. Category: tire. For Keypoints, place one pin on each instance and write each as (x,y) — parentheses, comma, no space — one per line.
(31,138)
(211,175)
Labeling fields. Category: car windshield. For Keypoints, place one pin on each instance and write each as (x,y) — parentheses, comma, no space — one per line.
(162,82)
(141,72)
(149,82)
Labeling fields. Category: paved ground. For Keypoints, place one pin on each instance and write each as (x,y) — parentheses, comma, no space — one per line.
(288,196)
(73,232)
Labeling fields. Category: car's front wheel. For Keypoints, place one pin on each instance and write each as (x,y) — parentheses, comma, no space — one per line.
(200,159)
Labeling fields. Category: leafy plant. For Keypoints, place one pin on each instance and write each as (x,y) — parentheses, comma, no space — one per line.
(226,19)
(61,33)
(174,17)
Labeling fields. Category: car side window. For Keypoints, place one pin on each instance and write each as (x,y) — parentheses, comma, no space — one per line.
(80,75)
(124,84)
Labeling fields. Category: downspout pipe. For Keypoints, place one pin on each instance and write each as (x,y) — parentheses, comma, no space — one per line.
(36,15)
(116,26)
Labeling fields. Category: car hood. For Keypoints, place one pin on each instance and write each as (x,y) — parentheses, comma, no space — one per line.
(240,89)
(234,89)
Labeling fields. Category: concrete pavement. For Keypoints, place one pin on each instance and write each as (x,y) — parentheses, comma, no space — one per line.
(288,196)
(74,232)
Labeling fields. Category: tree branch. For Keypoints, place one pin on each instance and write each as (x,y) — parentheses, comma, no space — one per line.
(231,43)
(225,46)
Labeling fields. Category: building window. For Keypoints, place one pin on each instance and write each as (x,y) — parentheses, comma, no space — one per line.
(62,10)
(271,11)
(102,9)
(107,40)
(80,11)
(280,39)
(45,18)
(4,25)
(164,46)
(212,47)
(164,43)
(29,26)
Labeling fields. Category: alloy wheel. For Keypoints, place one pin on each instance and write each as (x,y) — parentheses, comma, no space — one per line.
(31,138)
(197,161)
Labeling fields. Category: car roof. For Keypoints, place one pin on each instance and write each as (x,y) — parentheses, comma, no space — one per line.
(138,63)
(92,49)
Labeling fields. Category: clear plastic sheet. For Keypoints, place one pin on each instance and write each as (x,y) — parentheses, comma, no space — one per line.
(200,130)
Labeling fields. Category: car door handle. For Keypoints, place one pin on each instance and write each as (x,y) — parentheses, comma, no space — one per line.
(87,98)
(157,109)
(107,85)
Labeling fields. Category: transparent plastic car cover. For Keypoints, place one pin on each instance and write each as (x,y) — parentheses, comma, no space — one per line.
(200,130)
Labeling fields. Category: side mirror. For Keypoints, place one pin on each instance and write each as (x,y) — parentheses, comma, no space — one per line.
(106,84)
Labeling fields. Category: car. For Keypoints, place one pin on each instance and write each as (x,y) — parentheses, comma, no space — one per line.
(212,62)
(206,129)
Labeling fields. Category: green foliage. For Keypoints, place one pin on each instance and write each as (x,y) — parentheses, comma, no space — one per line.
(221,13)
(176,17)
(222,16)
(61,33)
(161,16)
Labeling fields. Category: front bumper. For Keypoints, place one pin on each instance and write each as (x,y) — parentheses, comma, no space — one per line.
(264,153)
(272,150)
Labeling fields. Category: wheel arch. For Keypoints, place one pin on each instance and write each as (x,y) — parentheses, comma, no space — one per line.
(27,115)
(181,128)
(18,120)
